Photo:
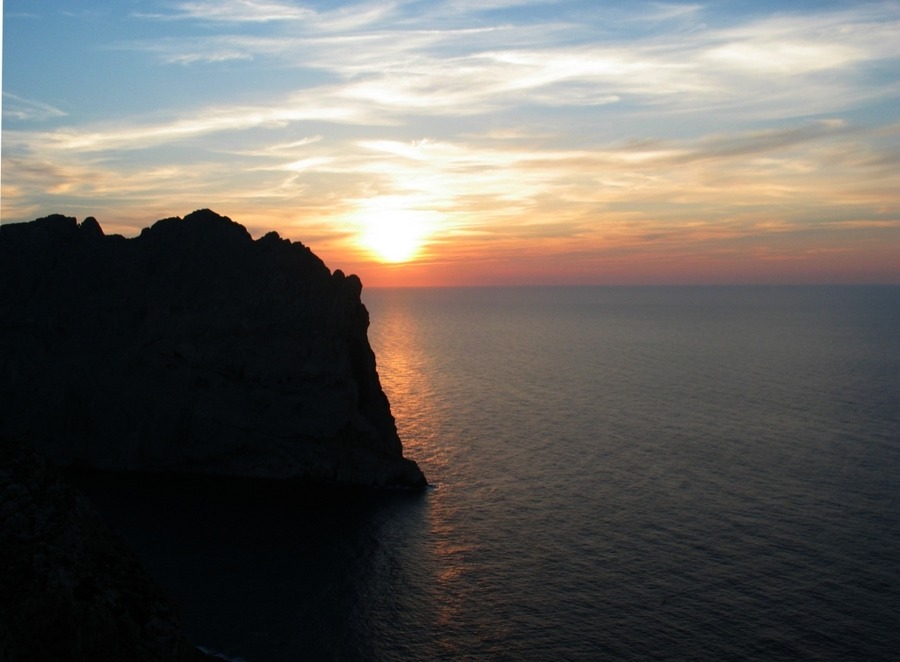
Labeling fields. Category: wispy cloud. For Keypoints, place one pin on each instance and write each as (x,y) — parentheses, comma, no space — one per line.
(28,110)
(416,65)
(199,122)
(237,11)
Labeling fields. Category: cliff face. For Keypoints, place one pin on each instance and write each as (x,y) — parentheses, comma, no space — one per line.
(190,348)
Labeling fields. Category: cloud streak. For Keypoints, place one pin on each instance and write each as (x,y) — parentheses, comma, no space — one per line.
(28,110)
(415,65)
(236,11)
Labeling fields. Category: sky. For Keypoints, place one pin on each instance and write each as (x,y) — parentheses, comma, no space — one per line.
(474,142)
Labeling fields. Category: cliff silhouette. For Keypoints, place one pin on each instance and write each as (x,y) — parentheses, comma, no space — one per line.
(191,348)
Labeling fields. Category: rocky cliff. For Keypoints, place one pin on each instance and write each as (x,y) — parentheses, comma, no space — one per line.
(190,348)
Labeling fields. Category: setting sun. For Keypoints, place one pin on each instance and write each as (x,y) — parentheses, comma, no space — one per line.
(392,234)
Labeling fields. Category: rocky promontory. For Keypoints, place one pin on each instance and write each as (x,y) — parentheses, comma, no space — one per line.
(190,348)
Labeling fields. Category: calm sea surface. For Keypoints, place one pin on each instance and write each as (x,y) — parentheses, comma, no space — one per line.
(618,473)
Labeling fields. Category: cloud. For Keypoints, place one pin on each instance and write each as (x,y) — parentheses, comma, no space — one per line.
(664,11)
(28,110)
(475,6)
(237,11)
(195,124)
(752,143)
(417,64)
(253,12)
(225,54)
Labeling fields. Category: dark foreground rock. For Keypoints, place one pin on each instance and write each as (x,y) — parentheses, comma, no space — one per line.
(190,348)
(72,589)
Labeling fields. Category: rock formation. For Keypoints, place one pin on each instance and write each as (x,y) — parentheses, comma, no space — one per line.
(72,589)
(190,348)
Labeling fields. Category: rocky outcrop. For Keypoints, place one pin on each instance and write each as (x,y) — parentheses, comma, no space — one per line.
(72,589)
(190,348)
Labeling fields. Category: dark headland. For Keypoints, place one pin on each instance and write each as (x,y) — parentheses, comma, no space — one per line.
(188,353)
(191,348)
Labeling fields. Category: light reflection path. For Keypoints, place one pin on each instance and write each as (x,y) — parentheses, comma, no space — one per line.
(405,373)
(408,375)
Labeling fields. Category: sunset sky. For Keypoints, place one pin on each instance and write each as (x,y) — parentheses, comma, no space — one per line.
(474,141)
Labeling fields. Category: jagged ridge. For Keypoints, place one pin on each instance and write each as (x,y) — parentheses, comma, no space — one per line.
(191,348)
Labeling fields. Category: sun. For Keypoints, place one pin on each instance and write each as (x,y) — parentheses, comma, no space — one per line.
(395,235)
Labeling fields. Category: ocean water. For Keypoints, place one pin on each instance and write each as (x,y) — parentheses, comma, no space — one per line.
(706,473)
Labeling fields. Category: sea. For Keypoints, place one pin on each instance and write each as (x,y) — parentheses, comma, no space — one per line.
(617,473)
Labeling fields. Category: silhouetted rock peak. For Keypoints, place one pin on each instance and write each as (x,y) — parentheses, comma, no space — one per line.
(194,348)
(53,229)
(201,225)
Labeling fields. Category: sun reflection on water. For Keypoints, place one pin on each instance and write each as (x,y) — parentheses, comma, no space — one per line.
(408,375)
(405,370)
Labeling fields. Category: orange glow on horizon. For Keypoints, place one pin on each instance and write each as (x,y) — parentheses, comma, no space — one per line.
(749,265)
(391,241)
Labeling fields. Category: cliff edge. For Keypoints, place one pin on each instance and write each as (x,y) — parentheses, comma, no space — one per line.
(190,348)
